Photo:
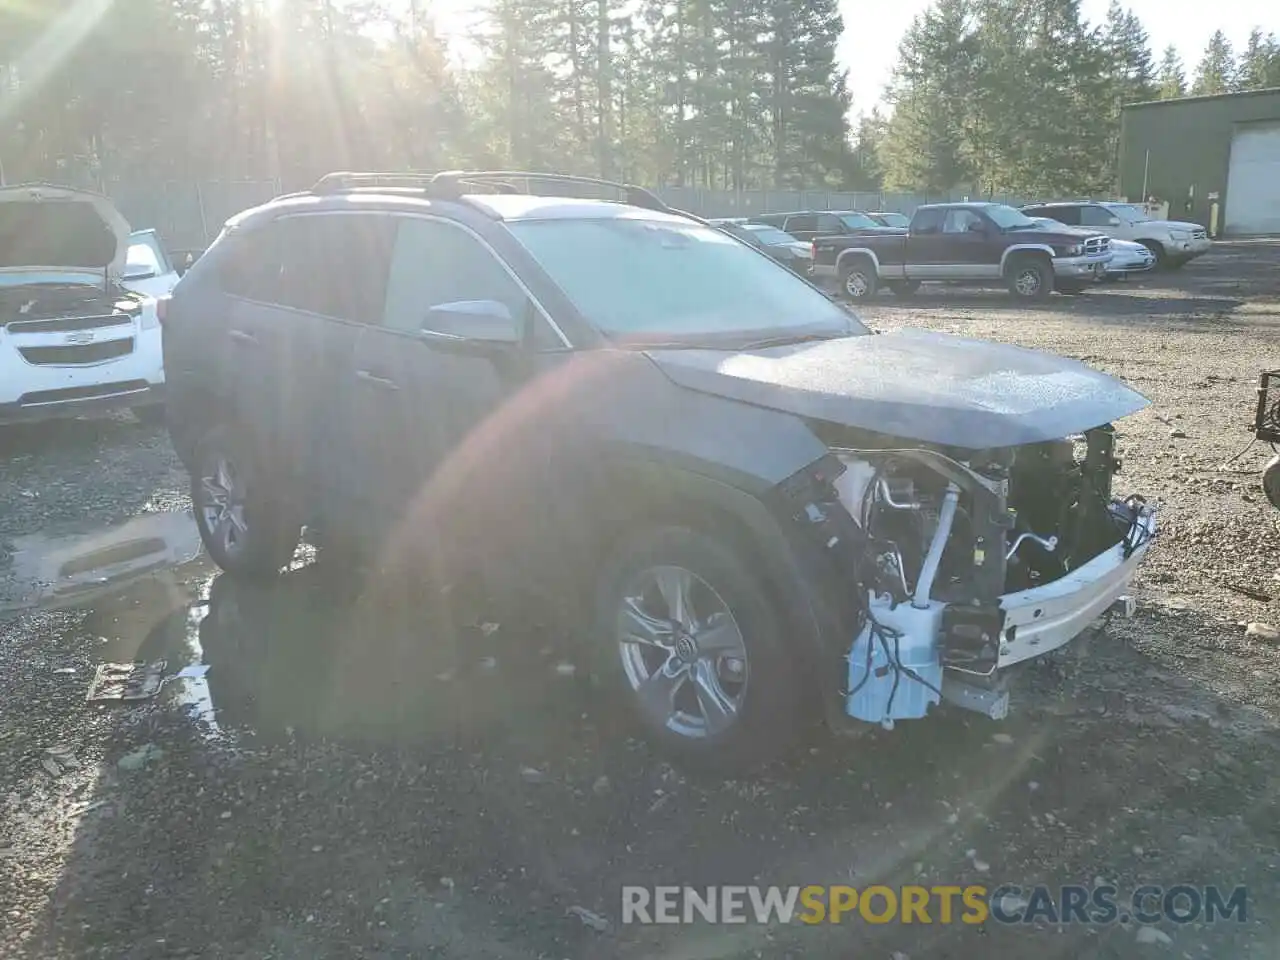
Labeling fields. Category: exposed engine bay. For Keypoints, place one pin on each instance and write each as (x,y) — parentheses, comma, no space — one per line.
(964,567)
(26,303)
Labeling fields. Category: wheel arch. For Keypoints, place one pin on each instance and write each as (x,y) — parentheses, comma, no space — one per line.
(854,252)
(1025,249)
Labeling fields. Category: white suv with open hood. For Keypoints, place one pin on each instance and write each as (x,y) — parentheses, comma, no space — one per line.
(73,338)
(1172,242)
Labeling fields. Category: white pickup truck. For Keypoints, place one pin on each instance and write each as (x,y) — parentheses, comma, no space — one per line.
(79,329)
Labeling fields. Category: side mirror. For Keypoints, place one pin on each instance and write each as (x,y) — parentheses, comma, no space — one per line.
(470,325)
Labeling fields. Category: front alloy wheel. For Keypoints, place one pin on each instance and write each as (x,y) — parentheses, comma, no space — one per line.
(682,651)
(688,636)
(223,506)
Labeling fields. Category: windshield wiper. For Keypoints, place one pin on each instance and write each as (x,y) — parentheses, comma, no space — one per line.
(786,339)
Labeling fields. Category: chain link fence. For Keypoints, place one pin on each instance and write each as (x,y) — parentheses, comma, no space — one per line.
(189,215)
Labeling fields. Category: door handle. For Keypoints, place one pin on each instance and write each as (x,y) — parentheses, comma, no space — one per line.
(242,336)
(373,380)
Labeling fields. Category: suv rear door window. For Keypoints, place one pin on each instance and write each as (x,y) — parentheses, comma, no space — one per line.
(330,264)
(830,223)
(804,223)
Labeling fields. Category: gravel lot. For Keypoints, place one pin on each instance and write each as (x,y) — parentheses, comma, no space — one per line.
(337,788)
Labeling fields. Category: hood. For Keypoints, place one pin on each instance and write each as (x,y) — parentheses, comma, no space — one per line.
(47,229)
(1170,225)
(917,385)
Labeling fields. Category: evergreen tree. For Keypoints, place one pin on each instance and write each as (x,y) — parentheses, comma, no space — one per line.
(930,92)
(1260,62)
(1216,72)
(1171,79)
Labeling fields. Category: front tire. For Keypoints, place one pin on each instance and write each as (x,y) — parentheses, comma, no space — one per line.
(243,513)
(1157,251)
(688,637)
(1030,278)
(858,279)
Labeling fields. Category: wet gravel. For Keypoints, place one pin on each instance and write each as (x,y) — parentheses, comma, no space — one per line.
(338,788)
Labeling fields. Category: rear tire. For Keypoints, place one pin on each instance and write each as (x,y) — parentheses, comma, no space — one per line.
(705,671)
(244,514)
(1030,278)
(858,279)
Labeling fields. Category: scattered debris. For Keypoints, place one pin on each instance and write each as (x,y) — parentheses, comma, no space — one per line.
(589,918)
(1153,935)
(1001,738)
(1263,631)
(1178,434)
(566,669)
(126,681)
(137,759)
(64,671)
(1033,786)
(981,866)
(532,775)
(488,628)
(661,802)
(447,883)
(601,786)
(1249,592)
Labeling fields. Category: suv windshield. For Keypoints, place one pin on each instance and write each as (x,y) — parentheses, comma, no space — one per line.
(1127,211)
(650,280)
(1008,218)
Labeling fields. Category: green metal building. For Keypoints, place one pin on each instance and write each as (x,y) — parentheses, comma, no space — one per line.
(1214,160)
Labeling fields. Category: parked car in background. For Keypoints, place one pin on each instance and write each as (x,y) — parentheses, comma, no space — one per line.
(899,221)
(1127,258)
(808,224)
(73,337)
(969,243)
(749,511)
(786,249)
(148,268)
(1172,242)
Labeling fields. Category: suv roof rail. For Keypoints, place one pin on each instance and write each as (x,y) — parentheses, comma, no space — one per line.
(451,184)
(342,181)
(448,185)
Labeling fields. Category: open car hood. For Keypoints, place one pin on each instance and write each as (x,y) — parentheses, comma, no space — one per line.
(45,229)
(916,385)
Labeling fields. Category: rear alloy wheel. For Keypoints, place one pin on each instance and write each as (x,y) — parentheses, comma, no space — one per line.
(244,522)
(858,279)
(689,639)
(1030,278)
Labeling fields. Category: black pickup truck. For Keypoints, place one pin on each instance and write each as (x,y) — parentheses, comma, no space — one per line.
(978,243)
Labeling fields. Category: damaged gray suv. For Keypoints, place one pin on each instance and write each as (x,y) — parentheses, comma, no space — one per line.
(748,509)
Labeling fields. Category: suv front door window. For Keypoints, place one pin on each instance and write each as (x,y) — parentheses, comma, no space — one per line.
(418,403)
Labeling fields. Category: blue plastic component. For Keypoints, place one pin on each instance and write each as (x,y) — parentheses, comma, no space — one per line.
(874,698)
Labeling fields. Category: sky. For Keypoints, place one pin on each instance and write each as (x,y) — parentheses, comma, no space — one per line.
(869,46)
